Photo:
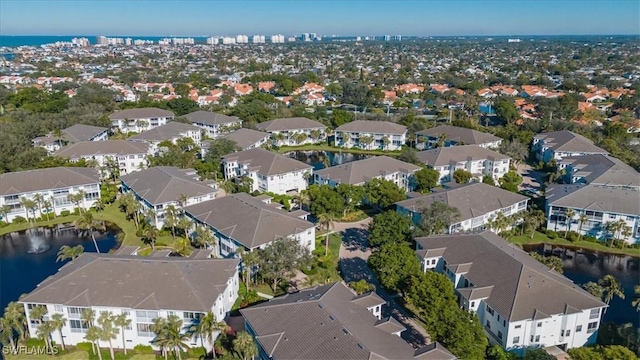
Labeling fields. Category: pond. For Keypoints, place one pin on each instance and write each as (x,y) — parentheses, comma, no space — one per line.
(316,158)
(27,258)
(582,266)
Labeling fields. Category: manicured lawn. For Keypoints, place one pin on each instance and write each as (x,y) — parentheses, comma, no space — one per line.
(540,238)
(76,355)
(143,357)
(324,147)
(25,226)
(112,214)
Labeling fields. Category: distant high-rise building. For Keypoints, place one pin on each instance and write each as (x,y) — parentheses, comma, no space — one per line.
(291,39)
(128,41)
(277,39)
(213,40)
(258,39)
(387,38)
(80,42)
(242,39)
(397,37)
(101,40)
(305,37)
(228,40)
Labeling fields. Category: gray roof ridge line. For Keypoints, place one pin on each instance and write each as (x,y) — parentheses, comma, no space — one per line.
(515,294)
(190,285)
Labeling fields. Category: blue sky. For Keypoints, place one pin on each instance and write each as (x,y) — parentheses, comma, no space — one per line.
(326,17)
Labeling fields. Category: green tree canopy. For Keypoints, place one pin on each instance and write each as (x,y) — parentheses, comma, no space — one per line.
(324,199)
(383,193)
(394,263)
(389,227)
(510,181)
(280,260)
(462,176)
(436,218)
(426,179)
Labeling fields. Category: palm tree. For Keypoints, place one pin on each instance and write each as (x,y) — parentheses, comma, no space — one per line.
(93,336)
(88,223)
(184,224)
(57,322)
(39,199)
(108,332)
(534,219)
(174,338)
(207,328)
(300,199)
(583,218)
(122,321)
(68,252)
(611,288)
(159,327)
(171,219)
(5,210)
(52,200)
(150,234)
(14,313)
(385,142)
(46,205)
(228,186)
(326,220)
(6,333)
(182,200)
(244,345)
(28,205)
(37,313)
(636,302)
(442,140)
(569,214)
(88,316)
(593,289)
(44,332)
(98,205)
(249,260)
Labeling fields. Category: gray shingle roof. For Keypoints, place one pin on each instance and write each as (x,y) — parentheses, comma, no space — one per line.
(210,118)
(247,219)
(595,197)
(602,169)
(44,179)
(446,155)
(568,141)
(246,137)
(81,132)
(295,123)
(167,131)
(140,113)
(107,147)
(460,135)
(266,162)
(132,282)
(472,200)
(370,126)
(361,171)
(324,323)
(522,286)
(161,184)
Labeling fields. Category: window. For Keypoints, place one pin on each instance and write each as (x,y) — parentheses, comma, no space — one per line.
(488,325)
(592,327)
(561,332)
(58,308)
(473,304)
(579,328)
(504,323)
(146,316)
(145,330)
(191,315)
(490,310)
(517,326)
(539,324)
(516,339)
(500,335)
(75,312)
(595,313)
(567,333)
(78,326)
(535,339)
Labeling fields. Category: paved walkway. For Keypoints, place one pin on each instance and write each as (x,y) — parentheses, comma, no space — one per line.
(354,252)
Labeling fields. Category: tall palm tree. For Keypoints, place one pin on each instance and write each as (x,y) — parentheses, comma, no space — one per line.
(249,260)
(57,322)
(88,223)
(5,210)
(108,331)
(14,313)
(150,234)
(244,345)
(174,338)
(593,289)
(122,322)
(68,252)
(326,220)
(534,219)
(569,214)
(28,205)
(204,238)
(39,199)
(88,316)
(583,218)
(37,313)
(46,205)
(93,336)
(7,332)
(44,332)
(159,327)
(184,224)
(52,200)
(611,287)
(636,302)
(207,329)
(171,219)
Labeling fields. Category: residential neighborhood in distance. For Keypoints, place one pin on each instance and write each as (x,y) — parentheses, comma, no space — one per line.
(298,194)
